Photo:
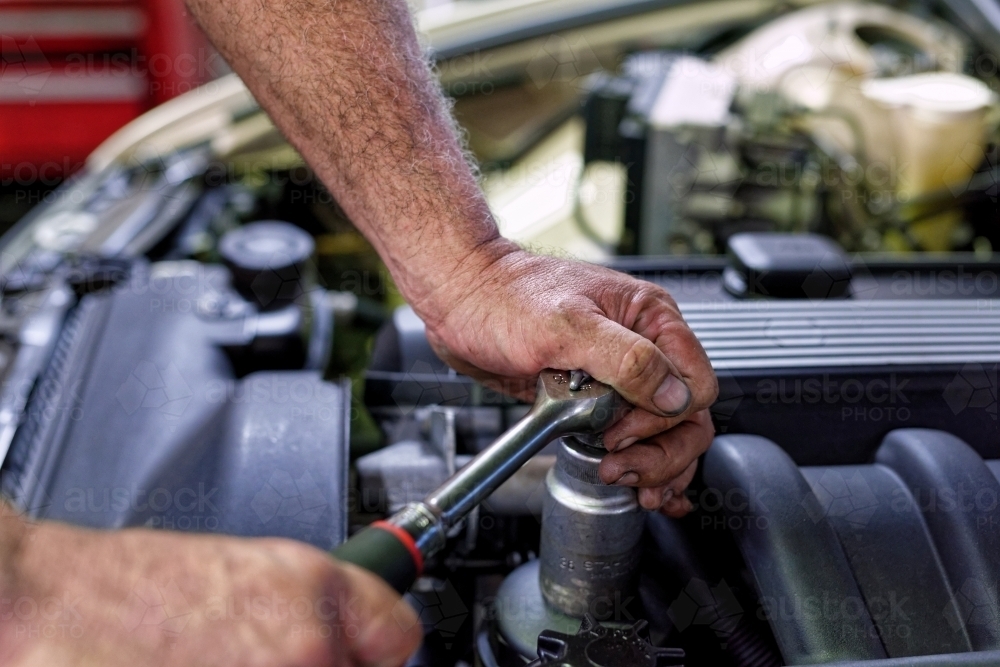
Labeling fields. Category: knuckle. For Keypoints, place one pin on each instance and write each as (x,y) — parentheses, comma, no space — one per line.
(679,467)
(637,361)
(650,295)
(672,466)
(564,309)
(671,326)
(612,468)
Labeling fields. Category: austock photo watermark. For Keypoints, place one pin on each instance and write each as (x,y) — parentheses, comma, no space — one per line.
(49,617)
(439,606)
(561,59)
(566,57)
(975,605)
(282,497)
(702,604)
(468,74)
(324,617)
(151,172)
(26,66)
(869,399)
(296,498)
(874,398)
(163,608)
(974,387)
(839,493)
(185,508)
(848,616)
(163,388)
(961,281)
(731,509)
(617,607)
(889,615)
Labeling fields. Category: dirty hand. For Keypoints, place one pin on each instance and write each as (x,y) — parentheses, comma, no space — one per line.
(138,597)
(504,320)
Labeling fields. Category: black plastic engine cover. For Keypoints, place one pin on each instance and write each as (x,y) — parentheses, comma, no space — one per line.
(795,561)
(140,420)
(893,559)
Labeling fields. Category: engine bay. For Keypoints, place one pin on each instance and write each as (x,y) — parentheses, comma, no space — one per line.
(854,120)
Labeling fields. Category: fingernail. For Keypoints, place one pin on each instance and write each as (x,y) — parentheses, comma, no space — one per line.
(627,442)
(673,396)
(667,497)
(627,479)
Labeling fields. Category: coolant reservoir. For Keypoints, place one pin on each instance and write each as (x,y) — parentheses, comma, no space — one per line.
(936,119)
(936,123)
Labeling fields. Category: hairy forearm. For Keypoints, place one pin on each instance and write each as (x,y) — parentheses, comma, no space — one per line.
(347,83)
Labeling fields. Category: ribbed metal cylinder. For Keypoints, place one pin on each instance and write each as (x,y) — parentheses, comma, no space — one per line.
(591,535)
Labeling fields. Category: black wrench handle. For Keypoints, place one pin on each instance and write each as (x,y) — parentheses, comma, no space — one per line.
(385,550)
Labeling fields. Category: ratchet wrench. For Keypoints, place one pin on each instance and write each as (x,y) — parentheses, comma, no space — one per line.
(396,548)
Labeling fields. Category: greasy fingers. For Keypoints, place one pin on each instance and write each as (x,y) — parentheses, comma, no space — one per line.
(659,320)
(639,344)
(670,498)
(382,628)
(637,425)
(675,502)
(629,362)
(661,459)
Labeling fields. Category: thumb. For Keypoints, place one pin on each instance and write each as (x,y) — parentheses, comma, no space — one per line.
(632,364)
(386,631)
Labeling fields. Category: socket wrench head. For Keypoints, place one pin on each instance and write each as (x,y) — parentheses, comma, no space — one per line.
(558,411)
(583,412)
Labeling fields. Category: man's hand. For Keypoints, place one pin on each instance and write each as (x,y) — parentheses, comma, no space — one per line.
(506,318)
(350,88)
(138,597)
